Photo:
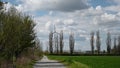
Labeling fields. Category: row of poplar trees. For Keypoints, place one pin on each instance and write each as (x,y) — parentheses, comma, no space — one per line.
(56,44)
(16,33)
(60,43)
(109,49)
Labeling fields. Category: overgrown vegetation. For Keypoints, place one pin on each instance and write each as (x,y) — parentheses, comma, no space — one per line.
(18,43)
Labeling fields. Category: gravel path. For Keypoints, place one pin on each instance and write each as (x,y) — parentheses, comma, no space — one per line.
(46,63)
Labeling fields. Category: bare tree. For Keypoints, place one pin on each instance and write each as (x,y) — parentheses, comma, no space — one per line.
(71,43)
(92,42)
(98,42)
(115,46)
(51,42)
(55,40)
(118,47)
(57,45)
(108,43)
(61,42)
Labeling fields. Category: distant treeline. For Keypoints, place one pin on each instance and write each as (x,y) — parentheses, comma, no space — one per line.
(84,54)
(56,44)
(115,50)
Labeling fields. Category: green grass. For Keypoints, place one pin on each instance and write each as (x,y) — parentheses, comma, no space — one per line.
(89,61)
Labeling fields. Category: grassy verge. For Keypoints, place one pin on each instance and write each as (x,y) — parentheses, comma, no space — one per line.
(75,64)
(89,61)
(24,62)
(28,64)
(68,62)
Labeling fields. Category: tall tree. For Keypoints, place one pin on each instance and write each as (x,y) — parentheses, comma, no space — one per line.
(118,47)
(71,43)
(108,43)
(17,31)
(61,42)
(92,42)
(98,42)
(56,43)
(115,46)
(56,40)
(51,42)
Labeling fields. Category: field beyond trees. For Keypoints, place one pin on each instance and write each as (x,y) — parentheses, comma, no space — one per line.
(89,61)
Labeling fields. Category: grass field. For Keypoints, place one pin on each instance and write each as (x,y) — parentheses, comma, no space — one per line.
(89,61)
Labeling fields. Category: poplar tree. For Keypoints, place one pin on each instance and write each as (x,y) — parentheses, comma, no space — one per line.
(51,42)
(115,46)
(71,43)
(98,42)
(92,42)
(61,42)
(108,43)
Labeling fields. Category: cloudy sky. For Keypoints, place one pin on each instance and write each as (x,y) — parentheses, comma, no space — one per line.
(79,16)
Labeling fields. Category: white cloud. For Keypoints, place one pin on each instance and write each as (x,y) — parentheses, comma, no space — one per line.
(51,12)
(108,17)
(113,8)
(49,26)
(69,22)
(92,20)
(98,8)
(108,20)
(55,5)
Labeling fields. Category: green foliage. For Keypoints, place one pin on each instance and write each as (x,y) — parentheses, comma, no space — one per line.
(89,61)
(16,34)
